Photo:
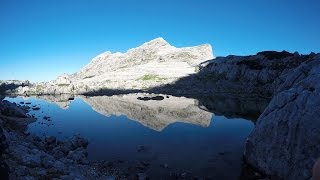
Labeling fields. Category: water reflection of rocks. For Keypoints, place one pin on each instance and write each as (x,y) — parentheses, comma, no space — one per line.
(233,107)
(154,113)
(63,100)
(159,111)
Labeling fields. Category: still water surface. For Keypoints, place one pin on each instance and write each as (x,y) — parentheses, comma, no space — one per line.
(182,134)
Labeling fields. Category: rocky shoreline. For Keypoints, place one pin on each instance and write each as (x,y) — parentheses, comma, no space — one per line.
(26,156)
(30,157)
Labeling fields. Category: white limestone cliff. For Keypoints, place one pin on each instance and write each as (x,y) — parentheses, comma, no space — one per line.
(152,64)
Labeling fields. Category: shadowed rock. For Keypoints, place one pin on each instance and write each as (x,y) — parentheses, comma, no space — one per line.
(285,142)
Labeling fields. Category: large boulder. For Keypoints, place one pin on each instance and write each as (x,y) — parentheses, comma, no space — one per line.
(286,140)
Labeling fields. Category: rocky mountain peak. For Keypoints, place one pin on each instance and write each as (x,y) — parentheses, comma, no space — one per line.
(151,47)
(158,42)
(156,57)
(151,64)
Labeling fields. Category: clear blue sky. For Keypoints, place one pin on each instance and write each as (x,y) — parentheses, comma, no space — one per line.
(40,39)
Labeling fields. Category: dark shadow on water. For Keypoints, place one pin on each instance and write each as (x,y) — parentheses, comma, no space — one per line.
(232,107)
(227,105)
(111,92)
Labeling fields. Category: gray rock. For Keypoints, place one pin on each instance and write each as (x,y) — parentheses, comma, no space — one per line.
(47,161)
(22,171)
(36,138)
(78,141)
(142,176)
(110,178)
(79,155)
(50,140)
(31,160)
(66,161)
(28,178)
(41,173)
(285,141)
(57,152)
(11,109)
(59,166)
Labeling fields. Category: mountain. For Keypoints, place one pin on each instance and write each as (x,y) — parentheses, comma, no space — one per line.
(152,64)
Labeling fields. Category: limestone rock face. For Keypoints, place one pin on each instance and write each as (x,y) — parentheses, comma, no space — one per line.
(285,142)
(63,80)
(152,64)
(158,52)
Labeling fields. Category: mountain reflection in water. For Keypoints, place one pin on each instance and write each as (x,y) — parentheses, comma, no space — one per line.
(204,135)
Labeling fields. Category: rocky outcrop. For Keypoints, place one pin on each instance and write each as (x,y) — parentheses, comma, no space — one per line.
(152,64)
(285,141)
(251,74)
(13,86)
(154,114)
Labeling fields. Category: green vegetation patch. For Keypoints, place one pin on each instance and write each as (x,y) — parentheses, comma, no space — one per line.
(61,85)
(151,77)
(39,88)
(197,69)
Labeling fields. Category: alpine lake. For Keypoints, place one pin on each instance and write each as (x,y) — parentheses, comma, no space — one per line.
(204,135)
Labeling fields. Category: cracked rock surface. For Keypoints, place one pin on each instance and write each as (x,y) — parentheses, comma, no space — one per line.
(286,140)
